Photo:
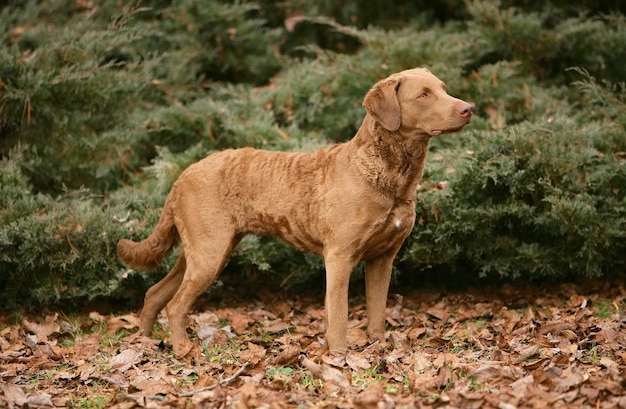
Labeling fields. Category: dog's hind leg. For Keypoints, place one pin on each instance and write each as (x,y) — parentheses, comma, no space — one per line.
(160,294)
(205,260)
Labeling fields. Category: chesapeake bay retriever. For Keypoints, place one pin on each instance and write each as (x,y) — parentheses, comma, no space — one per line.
(349,202)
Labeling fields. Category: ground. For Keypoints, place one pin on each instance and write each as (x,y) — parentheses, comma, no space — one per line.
(508,347)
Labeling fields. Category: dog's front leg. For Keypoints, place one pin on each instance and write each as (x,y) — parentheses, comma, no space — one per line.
(338,269)
(377,278)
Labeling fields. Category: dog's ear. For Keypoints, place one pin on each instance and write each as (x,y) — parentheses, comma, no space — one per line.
(382,103)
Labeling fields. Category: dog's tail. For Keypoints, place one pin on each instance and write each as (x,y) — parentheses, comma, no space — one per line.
(148,254)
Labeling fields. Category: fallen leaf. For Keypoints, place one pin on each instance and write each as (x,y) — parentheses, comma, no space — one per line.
(520,383)
(44,330)
(275,326)
(420,361)
(154,381)
(254,354)
(589,392)
(569,378)
(240,323)
(445,359)
(115,379)
(13,394)
(326,373)
(398,339)
(358,338)
(556,327)
(87,346)
(288,356)
(212,334)
(371,397)
(527,351)
(128,321)
(357,362)
(611,365)
(125,360)
(443,377)
(96,316)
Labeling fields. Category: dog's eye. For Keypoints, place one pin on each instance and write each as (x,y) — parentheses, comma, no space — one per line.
(423,95)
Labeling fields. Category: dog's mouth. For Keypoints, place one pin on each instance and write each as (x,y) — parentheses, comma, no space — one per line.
(439,131)
(436,132)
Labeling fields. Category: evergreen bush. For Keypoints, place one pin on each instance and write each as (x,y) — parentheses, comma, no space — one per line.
(103,105)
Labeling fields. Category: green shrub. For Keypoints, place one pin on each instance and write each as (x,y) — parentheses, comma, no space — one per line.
(535,200)
(546,42)
(103,105)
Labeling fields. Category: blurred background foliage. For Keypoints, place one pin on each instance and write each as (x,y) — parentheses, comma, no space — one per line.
(103,104)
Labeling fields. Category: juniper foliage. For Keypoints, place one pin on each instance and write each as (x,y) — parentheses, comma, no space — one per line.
(103,105)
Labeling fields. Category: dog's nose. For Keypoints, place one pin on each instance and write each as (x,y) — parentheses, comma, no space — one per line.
(465,109)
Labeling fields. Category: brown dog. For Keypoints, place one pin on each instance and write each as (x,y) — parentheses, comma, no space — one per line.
(348,202)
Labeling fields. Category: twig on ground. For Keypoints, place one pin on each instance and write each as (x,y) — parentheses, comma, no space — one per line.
(123,396)
(222,382)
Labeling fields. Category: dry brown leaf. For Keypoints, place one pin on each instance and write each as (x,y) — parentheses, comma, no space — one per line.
(473,311)
(254,354)
(439,312)
(445,359)
(212,334)
(569,378)
(240,323)
(370,397)
(443,377)
(125,360)
(215,398)
(417,332)
(358,338)
(44,330)
(87,346)
(556,327)
(398,339)
(496,119)
(420,361)
(487,373)
(589,392)
(275,326)
(611,365)
(520,383)
(96,316)
(531,366)
(115,379)
(288,356)
(527,351)
(128,321)
(14,395)
(326,373)
(357,362)
(155,381)
(425,382)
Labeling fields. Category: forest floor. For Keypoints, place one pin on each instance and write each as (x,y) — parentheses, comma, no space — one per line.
(504,347)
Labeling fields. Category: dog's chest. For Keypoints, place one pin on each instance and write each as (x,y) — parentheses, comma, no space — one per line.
(391,230)
(400,220)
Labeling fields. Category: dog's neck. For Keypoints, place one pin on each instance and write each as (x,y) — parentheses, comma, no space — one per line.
(391,162)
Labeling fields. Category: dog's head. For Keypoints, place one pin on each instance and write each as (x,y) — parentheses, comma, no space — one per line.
(416,102)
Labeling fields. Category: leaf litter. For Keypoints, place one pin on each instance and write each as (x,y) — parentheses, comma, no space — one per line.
(508,347)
